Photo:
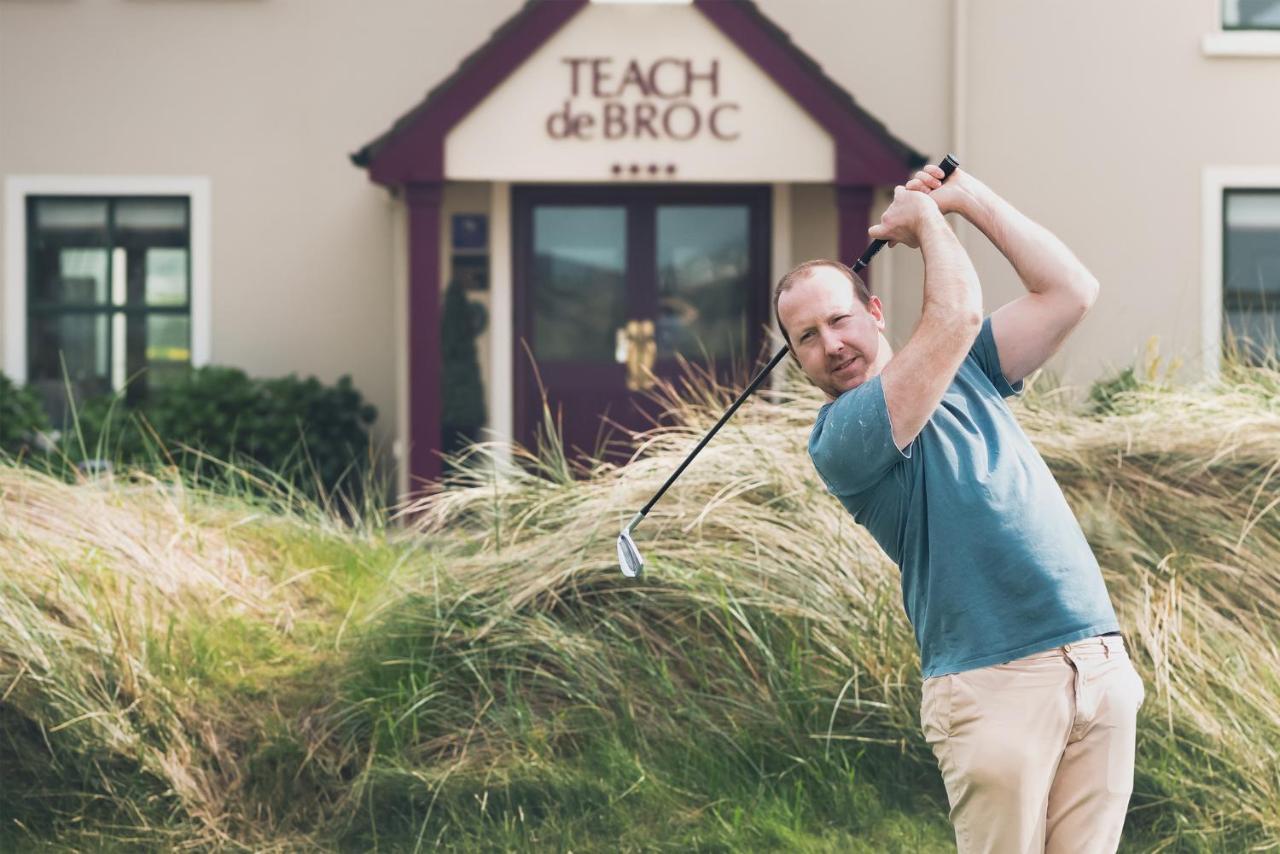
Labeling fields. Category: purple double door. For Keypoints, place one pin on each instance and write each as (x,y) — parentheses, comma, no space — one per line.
(617,285)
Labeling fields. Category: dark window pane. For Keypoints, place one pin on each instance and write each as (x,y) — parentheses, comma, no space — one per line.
(579,282)
(1253,334)
(1252,242)
(703,269)
(1251,274)
(1251,14)
(71,216)
(69,256)
(83,342)
(151,222)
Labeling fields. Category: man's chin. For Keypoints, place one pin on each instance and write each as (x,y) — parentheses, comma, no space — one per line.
(838,387)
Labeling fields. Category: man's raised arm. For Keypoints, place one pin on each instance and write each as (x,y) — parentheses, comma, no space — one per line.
(916,377)
(1030,329)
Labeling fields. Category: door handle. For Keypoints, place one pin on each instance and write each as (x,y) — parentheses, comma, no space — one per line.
(635,345)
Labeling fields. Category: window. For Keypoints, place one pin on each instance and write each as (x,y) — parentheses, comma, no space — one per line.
(1250,14)
(108,295)
(1251,271)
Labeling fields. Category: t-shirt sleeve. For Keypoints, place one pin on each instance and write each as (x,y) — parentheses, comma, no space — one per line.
(984,353)
(853,448)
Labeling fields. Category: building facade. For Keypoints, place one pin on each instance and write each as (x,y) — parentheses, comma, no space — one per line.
(265,185)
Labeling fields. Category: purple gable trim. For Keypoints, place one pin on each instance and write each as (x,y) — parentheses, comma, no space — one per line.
(853,209)
(423,201)
(413,150)
(866,153)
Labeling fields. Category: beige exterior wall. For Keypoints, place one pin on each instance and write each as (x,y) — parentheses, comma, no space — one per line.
(1133,112)
(1097,119)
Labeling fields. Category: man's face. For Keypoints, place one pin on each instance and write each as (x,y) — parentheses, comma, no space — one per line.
(835,338)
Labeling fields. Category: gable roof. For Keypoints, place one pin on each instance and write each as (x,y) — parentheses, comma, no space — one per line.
(412,149)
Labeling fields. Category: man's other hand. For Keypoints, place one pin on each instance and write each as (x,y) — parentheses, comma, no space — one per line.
(903,220)
(958,195)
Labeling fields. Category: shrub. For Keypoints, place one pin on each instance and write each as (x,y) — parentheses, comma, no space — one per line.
(21,417)
(1121,392)
(300,429)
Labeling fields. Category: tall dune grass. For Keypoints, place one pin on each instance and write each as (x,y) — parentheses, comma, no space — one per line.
(182,668)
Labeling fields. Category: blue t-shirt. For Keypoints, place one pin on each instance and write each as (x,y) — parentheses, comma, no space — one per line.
(994,564)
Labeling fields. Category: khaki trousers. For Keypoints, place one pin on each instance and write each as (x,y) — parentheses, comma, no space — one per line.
(1037,754)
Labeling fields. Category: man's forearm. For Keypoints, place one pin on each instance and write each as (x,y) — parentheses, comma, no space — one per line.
(1042,261)
(951,288)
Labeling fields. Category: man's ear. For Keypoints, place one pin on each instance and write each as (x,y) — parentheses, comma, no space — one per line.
(876,309)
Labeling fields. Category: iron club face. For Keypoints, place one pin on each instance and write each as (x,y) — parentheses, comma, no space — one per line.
(629,559)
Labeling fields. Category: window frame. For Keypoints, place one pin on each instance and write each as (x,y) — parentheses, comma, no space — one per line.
(18,188)
(1215,182)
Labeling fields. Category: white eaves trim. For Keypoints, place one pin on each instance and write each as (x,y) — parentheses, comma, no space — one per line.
(1215,181)
(1241,43)
(16,190)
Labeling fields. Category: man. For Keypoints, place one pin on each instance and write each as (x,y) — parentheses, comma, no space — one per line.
(1029,699)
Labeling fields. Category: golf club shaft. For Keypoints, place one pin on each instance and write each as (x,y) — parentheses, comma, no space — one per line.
(947,165)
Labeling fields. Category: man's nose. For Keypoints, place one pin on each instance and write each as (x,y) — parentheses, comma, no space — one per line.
(831,341)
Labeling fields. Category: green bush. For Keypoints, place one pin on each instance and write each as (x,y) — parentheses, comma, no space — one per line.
(1105,394)
(310,433)
(1122,392)
(21,417)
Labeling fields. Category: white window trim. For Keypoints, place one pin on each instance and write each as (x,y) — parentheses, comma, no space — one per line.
(16,190)
(1241,43)
(1215,181)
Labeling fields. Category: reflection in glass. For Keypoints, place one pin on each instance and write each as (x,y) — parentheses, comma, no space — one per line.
(578,282)
(166,272)
(77,216)
(168,347)
(703,285)
(81,278)
(151,215)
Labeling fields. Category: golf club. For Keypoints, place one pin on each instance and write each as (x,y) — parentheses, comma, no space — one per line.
(629,559)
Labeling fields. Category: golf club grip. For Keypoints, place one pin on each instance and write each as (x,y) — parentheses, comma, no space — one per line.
(948,165)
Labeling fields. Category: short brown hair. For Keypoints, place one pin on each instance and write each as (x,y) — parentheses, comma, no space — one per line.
(860,289)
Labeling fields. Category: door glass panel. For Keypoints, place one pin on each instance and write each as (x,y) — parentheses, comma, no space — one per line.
(578,282)
(703,284)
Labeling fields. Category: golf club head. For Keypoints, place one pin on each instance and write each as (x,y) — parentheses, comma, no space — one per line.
(629,559)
